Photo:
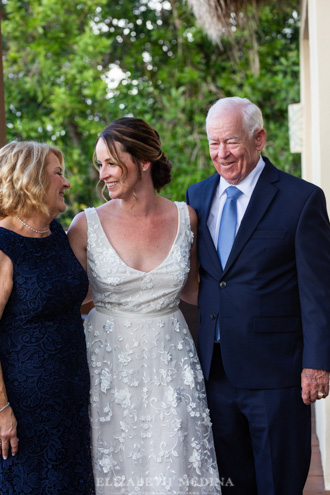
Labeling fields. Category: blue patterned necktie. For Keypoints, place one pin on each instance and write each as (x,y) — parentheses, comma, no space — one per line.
(227,230)
(227,233)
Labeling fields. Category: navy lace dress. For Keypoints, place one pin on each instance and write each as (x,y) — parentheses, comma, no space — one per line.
(43,358)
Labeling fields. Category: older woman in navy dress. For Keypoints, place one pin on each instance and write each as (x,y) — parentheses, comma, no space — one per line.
(44,378)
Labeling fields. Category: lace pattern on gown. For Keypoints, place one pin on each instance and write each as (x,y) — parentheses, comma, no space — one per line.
(151,431)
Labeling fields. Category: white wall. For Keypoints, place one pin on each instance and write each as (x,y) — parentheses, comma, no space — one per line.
(315,99)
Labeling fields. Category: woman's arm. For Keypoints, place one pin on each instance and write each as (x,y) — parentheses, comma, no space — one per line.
(189,292)
(8,423)
(77,235)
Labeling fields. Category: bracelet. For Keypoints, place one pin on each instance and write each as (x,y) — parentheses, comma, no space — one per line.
(4,407)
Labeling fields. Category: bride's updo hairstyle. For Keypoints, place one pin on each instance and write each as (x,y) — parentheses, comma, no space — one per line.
(143,143)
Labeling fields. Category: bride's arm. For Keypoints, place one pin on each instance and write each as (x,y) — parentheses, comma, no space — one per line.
(189,292)
(77,235)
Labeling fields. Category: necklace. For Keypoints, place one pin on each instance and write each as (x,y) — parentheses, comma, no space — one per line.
(31,228)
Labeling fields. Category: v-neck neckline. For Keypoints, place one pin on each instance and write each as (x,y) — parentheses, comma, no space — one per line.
(130,267)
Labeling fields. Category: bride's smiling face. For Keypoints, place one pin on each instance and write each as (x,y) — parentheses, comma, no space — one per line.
(119,182)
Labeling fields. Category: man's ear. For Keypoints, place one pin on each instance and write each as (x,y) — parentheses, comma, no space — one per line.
(260,136)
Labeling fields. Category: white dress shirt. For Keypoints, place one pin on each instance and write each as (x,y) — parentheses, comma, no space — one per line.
(247,186)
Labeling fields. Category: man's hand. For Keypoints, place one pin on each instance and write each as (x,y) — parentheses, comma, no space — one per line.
(314,385)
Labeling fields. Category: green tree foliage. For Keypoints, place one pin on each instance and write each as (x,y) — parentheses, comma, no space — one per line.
(72,67)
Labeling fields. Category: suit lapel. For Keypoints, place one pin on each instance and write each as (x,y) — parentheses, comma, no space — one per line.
(261,198)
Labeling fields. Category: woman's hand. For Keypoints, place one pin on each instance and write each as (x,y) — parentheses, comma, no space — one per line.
(8,433)
(8,423)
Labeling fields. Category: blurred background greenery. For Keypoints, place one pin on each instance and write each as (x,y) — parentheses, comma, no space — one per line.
(72,66)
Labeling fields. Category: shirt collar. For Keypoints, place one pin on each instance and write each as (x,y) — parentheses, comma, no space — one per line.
(246,185)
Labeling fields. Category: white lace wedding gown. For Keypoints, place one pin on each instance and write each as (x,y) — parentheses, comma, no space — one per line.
(151,432)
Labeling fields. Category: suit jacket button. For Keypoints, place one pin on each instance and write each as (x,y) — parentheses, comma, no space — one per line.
(223,285)
(213,316)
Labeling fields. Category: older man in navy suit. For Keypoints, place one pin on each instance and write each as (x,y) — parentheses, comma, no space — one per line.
(264,306)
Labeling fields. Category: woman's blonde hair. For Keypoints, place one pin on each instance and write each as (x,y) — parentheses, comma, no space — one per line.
(23,177)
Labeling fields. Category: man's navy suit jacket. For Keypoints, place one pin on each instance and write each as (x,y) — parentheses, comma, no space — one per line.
(273,297)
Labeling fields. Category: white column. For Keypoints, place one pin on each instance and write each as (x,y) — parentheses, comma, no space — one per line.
(305,94)
(319,46)
(315,97)
(322,420)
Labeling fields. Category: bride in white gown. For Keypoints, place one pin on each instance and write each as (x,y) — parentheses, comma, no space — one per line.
(151,431)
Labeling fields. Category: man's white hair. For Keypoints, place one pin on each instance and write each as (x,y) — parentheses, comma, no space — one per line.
(251,114)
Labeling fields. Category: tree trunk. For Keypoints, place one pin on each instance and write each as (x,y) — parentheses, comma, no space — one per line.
(2,99)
